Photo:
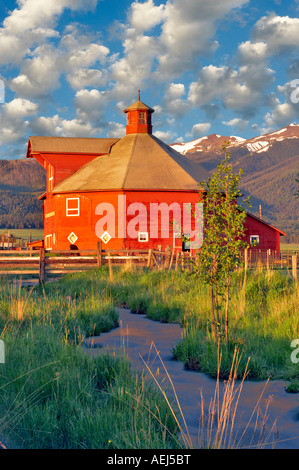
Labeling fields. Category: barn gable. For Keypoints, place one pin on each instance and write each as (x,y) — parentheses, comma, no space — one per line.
(63,156)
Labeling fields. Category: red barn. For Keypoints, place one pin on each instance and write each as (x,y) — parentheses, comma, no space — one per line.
(133,192)
(260,235)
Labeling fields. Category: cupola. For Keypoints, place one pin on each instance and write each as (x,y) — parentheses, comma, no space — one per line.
(139,118)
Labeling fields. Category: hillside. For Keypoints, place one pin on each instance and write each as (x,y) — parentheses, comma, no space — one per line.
(21,182)
(270,163)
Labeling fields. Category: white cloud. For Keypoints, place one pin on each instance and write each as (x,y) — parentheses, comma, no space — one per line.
(86,56)
(145,16)
(57,126)
(241,90)
(116,130)
(272,35)
(279,32)
(39,75)
(188,31)
(90,105)
(251,53)
(200,129)
(237,123)
(13,119)
(31,14)
(83,78)
(19,108)
(166,136)
(283,113)
(130,72)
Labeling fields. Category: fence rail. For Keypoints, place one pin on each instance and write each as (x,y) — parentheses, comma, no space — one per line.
(44,264)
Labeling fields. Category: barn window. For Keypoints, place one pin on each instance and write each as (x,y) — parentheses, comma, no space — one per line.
(254,240)
(142,118)
(143,236)
(72,206)
(51,177)
(48,241)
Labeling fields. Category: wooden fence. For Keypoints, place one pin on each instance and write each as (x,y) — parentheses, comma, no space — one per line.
(46,264)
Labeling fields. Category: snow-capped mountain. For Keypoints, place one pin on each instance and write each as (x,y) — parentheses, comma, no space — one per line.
(215,142)
(270,163)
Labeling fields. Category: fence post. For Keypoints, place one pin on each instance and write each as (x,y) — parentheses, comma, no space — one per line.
(246,259)
(182,260)
(177,259)
(99,254)
(42,273)
(171,259)
(167,256)
(110,266)
(149,260)
(294,267)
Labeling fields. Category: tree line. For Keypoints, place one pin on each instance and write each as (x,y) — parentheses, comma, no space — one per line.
(20,210)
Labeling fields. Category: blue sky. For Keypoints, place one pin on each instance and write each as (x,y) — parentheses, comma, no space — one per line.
(70,67)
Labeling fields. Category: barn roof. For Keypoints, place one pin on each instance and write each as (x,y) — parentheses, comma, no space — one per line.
(69,145)
(265,223)
(139,106)
(137,161)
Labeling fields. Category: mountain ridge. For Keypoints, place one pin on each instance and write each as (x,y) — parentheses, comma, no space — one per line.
(270,164)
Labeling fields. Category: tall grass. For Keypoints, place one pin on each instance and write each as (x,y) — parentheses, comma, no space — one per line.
(263,317)
(54,394)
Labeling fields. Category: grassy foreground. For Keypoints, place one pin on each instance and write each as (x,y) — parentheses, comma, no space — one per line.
(55,395)
(264,315)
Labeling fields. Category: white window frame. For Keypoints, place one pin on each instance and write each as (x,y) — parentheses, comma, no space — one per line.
(255,237)
(140,235)
(73,211)
(49,242)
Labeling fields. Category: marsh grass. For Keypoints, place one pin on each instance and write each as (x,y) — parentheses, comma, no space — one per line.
(264,315)
(54,393)
(219,421)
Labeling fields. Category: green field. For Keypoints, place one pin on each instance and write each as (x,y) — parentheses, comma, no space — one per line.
(289,246)
(36,234)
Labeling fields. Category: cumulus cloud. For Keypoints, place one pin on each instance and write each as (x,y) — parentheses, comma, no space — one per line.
(272,35)
(166,136)
(14,119)
(145,16)
(83,78)
(188,31)
(29,25)
(279,32)
(40,74)
(237,123)
(240,90)
(90,105)
(200,129)
(57,126)
(285,112)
